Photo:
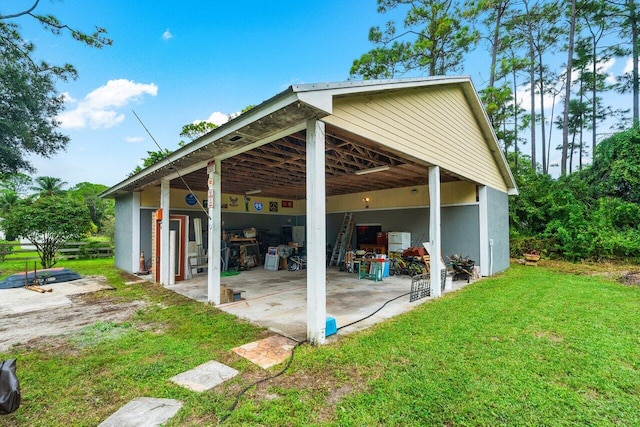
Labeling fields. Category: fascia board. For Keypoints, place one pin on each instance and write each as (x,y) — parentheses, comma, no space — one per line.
(268,107)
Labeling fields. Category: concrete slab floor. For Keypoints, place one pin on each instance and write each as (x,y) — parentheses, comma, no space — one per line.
(21,300)
(143,412)
(277,299)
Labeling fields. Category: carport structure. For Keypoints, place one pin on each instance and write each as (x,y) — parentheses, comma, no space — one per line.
(317,142)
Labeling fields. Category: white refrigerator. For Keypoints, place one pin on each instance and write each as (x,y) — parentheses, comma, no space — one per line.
(399,241)
(298,234)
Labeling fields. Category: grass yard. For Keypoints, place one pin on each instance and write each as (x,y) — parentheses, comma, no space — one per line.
(532,346)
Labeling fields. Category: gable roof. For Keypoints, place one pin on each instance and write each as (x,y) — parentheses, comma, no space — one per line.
(268,142)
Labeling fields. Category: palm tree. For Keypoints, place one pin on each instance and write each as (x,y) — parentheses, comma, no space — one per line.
(48,186)
(8,198)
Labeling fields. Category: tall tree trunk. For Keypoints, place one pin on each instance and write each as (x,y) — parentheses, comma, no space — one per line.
(573,148)
(567,92)
(500,9)
(634,53)
(545,163)
(553,108)
(532,84)
(582,116)
(515,117)
(594,94)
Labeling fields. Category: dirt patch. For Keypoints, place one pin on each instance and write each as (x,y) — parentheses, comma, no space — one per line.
(35,320)
(631,278)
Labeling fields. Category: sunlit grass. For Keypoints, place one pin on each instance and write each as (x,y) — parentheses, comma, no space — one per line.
(532,346)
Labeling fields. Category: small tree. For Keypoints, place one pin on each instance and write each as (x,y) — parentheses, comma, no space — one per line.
(48,223)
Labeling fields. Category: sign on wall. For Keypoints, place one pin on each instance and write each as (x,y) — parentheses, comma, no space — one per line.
(191,199)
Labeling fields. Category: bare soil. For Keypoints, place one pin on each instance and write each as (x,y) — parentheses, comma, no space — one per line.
(27,317)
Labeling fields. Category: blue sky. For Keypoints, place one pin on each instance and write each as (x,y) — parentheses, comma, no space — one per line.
(175,62)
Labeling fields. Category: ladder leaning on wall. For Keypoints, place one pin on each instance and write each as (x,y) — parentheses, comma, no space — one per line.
(343,239)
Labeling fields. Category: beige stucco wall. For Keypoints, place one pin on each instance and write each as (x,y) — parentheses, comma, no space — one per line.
(451,193)
(230,202)
(434,124)
(407,197)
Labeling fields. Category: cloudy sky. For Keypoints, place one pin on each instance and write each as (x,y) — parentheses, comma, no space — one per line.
(176,62)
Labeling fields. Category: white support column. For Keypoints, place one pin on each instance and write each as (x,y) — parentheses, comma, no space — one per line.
(316,234)
(483,218)
(165,203)
(135,233)
(214,201)
(434,230)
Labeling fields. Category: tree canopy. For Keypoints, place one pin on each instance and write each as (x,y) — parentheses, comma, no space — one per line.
(47,222)
(553,51)
(29,101)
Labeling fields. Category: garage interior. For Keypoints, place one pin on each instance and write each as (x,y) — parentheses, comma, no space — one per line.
(381,151)
(277,299)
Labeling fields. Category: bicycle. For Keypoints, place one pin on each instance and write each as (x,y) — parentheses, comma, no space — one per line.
(297,262)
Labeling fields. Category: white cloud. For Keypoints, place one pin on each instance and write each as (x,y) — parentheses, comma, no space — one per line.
(605,67)
(218,118)
(98,109)
(67,97)
(134,139)
(167,35)
(523,95)
(628,67)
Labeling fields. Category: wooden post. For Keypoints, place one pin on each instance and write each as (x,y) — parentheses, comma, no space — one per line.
(434,230)
(483,218)
(165,203)
(214,201)
(316,234)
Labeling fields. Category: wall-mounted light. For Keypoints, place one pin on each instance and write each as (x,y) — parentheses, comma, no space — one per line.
(252,192)
(366,202)
(414,191)
(372,170)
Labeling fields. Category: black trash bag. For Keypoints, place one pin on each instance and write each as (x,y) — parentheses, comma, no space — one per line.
(9,387)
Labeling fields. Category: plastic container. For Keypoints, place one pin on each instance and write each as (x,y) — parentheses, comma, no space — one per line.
(330,327)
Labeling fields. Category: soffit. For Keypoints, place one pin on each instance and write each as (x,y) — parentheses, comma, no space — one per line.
(278,168)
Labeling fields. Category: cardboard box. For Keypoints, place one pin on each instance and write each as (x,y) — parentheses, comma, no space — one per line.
(226,294)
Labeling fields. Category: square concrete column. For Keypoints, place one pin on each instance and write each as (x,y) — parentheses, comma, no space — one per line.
(483,218)
(214,232)
(434,230)
(316,234)
(135,233)
(165,205)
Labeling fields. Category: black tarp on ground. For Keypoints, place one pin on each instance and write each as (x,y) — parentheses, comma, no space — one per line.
(47,276)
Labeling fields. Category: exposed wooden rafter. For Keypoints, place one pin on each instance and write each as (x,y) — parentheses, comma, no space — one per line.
(279,169)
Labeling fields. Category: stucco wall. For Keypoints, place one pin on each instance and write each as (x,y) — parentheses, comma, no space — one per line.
(498,228)
(123,232)
(145,233)
(460,227)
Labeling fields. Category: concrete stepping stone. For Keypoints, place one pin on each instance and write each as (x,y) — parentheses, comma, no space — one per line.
(143,412)
(267,352)
(205,377)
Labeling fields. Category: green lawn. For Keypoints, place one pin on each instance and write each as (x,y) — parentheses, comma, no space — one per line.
(532,346)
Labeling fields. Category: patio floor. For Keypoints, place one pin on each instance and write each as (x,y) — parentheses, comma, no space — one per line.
(277,299)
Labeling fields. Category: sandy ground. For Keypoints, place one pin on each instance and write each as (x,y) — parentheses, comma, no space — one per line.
(27,315)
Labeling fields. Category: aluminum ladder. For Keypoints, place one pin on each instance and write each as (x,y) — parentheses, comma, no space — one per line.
(342,239)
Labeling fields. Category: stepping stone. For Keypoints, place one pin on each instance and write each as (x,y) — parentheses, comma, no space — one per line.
(143,412)
(205,377)
(267,352)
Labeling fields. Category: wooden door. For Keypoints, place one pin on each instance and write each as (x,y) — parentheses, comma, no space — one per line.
(177,223)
